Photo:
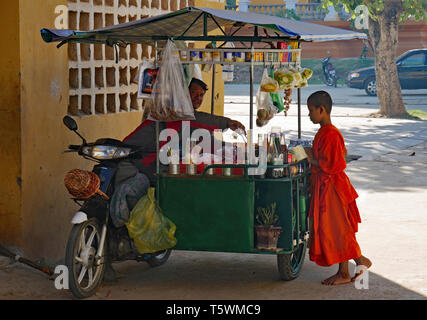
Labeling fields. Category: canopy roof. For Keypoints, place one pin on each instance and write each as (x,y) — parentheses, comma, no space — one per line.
(194,23)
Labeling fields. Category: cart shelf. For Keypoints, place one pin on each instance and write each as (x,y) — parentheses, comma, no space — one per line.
(276,57)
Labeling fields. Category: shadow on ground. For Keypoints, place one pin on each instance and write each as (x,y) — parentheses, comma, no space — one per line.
(206,275)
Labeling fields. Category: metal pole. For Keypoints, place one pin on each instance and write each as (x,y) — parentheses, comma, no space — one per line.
(299,94)
(251,92)
(299,113)
(205,25)
(157,136)
(213,90)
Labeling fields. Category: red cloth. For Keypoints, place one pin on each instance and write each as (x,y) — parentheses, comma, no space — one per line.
(218,171)
(333,208)
(176,125)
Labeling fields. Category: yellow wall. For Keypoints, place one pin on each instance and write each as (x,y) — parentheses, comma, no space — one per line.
(46,207)
(10,124)
(34,94)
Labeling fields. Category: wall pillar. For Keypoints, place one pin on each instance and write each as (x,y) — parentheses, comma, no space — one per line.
(10,128)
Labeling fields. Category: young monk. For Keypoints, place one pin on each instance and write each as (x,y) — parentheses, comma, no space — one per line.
(334,216)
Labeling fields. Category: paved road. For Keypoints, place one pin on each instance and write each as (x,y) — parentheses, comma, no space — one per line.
(343,96)
(364,136)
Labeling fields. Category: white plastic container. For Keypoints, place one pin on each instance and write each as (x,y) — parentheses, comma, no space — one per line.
(228,72)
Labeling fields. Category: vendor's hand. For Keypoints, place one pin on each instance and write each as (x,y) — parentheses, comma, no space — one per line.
(234,125)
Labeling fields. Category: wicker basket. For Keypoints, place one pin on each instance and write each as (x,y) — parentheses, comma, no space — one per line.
(83,184)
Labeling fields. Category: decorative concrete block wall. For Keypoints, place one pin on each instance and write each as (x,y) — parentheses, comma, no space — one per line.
(99,85)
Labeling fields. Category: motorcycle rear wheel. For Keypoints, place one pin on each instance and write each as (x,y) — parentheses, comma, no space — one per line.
(329,80)
(85,272)
(159,258)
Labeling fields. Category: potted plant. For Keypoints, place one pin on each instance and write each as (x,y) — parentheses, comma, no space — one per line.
(267,233)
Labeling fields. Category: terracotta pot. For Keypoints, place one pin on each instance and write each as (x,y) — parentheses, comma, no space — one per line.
(267,236)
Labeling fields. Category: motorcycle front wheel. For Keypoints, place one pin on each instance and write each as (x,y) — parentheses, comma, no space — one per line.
(85,270)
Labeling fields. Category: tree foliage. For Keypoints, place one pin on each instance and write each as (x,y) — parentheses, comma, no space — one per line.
(384,19)
(409,8)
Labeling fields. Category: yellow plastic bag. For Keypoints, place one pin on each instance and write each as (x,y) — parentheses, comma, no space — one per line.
(149,228)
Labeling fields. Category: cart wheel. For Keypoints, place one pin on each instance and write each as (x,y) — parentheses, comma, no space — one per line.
(290,265)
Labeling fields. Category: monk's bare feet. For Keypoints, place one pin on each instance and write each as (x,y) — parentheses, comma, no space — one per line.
(339,278)
(361,261)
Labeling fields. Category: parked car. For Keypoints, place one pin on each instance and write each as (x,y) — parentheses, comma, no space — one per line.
(411,68)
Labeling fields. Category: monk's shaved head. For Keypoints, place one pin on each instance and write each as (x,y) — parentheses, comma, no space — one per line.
(320,98)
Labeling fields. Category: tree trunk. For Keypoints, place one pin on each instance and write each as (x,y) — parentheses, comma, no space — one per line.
(384,37)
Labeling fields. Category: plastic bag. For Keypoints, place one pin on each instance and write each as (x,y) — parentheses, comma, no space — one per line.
(149,228)
(171,97)
(268,84)
(285,77)
(265,105)
(292,77)
(276,97)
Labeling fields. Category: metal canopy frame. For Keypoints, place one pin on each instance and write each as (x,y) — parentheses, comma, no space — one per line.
(251,93)
(282,32)
(110,40)
(205,20)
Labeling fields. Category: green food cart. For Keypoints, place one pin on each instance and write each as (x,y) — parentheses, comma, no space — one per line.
(217,212)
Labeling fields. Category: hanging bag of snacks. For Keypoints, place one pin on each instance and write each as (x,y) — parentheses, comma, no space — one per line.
(170,97)
(275,96)
(265,105)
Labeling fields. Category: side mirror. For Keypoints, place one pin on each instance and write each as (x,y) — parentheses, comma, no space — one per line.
(70,123)
(399,63)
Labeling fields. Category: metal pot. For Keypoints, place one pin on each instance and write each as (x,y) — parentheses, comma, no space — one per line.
(210,172)
(227,171)
(173,168)
(191,169)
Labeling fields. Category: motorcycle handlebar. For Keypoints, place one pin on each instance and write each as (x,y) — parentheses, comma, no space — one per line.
(74,147)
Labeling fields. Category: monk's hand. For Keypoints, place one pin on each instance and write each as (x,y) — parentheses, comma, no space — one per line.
(310,157)
(309,153)
(313,162)
(234,125)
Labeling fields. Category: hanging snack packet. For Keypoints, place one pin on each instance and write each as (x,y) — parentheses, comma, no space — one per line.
(275,96)
(268,84)
(285,78)
(265,105)
(146,78)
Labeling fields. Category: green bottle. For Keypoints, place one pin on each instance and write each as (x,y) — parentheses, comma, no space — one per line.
(303,212)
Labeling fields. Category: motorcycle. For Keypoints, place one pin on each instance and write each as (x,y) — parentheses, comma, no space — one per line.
(329,72)
(94,241)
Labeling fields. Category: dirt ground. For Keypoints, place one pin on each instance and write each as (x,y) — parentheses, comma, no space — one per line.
(391,181)
(393,239)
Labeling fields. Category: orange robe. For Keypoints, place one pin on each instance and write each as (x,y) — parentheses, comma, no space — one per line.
(333,208)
